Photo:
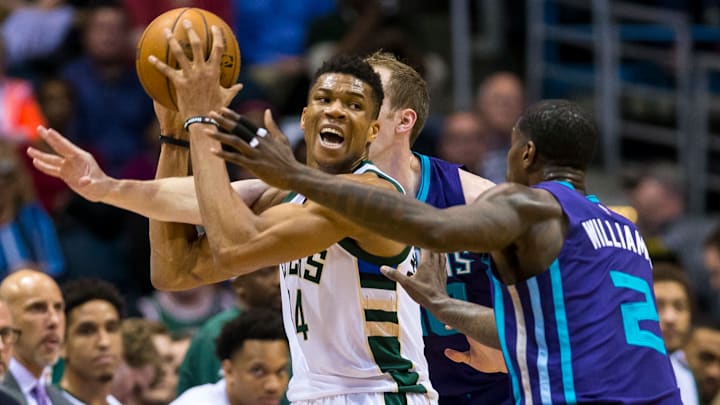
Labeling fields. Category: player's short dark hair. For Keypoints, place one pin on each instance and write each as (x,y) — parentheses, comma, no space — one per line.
(251,324)
(79,291)
(564,133)
(358,67)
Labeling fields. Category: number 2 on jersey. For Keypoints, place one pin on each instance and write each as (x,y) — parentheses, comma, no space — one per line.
(300,325)
(634,312)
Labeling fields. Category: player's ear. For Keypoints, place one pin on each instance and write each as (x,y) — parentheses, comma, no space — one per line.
(227,367)
(529,154)
(408,117)
(302,118)
(373,131)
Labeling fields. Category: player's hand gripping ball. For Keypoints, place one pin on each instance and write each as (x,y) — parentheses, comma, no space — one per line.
(153,42)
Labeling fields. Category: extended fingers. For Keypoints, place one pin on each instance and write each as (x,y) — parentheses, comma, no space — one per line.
(227,118)
(47,158)
(232,141)
(229,114)
(270,124)
(59,143)
(196,44)
(177,52)
(393,274)
(218,46)
(436,259)
(47,168)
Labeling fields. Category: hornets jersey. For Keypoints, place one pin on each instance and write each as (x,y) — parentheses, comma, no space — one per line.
(586,330)
(440,186)
(351,329)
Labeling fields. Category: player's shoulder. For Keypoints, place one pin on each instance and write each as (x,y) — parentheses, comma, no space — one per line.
(375,177)
(473,185)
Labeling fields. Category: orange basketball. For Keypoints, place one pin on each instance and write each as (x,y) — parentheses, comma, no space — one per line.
(153,42)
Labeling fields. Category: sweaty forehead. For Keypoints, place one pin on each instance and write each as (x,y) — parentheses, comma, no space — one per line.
(340,82)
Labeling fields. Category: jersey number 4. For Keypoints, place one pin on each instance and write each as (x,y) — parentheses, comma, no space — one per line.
(300,325)
(634,312)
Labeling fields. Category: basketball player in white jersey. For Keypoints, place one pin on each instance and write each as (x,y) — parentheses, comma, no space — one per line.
(355,337)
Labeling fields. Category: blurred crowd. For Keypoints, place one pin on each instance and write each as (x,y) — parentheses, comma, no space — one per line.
(69,65)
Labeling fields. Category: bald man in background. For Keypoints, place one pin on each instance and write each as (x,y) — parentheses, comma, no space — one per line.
(37,308)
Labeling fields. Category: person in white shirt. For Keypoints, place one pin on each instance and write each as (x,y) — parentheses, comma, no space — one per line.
(674,304)
(93,342)
(255,356)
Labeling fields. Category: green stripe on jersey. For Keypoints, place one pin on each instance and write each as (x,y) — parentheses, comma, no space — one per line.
(386,351)
(394,398)
(376,315)
(377,281)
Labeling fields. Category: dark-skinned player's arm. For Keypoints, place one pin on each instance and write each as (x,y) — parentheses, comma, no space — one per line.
(494,221)
(428,287)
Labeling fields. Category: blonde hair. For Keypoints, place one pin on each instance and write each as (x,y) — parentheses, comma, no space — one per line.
(405,88)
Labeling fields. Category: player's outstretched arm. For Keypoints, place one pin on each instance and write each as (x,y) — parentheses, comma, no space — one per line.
(167,199)
(428,288)
(492,222)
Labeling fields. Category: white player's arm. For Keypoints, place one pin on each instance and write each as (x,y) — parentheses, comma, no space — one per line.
(166,199)
(179,257)
(473,185)
(171,199)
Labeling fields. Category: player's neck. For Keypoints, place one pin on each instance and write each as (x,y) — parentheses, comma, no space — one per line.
(563,173)
(86,390)
(400,164)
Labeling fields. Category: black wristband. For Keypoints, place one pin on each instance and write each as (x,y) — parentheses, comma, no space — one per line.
(200,120)
(174,141)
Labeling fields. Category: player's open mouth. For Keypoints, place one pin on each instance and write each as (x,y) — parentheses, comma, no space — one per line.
(331,137)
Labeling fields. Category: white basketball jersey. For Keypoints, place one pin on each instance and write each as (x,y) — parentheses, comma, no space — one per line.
(350,328)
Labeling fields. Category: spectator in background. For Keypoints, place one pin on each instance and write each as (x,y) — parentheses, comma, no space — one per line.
(260,289)
(500,101)
(20,114)
(140,366)
(35,32)
(36,305)
(657,194)
(57,105)
(183,312)
(462,141)
(703,355)
(112,109)
(674,300)
(272,35)
(172,351)
(255,356)
(712,265)
(27,234)
(93,342)
(8,337)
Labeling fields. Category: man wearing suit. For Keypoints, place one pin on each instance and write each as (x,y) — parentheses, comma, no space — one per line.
(8,337)
(37,308)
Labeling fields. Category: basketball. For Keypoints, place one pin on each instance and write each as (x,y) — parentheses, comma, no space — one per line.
(153,42)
